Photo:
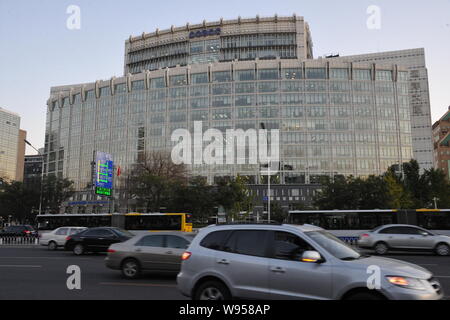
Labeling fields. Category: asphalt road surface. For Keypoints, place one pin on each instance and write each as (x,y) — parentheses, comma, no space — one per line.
(36,273)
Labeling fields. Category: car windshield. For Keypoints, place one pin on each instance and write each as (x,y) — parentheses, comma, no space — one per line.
(333,245)
(123,233)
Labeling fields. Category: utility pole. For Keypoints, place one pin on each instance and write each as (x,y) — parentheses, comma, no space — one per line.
(263,127)
(42,174)
(435,202)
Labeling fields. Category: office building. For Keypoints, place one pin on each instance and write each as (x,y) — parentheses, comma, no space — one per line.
(12,146)
(33,170)
(441,135)
(335,117)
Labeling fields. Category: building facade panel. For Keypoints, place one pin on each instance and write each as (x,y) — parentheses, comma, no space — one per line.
(11,148)
(334,118)
(418,87)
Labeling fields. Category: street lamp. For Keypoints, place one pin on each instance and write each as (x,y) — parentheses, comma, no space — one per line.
(42,174)
(263,127)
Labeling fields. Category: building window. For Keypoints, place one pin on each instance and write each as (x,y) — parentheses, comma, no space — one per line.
(137,85)
(120,88)
(157,83)
(179,80)
(359,74)
(90,94)
(222,76)
(339,74)
(292,74)
(268,74)
(199,78)
(316,73)
(384,75)
(244,75)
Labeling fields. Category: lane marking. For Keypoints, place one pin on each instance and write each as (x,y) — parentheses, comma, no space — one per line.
(19,266)
(136,284)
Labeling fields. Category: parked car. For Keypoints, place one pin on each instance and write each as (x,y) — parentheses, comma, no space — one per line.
(19,231)
(404,237)
(159,252)
(95,240)
(57,238)
(293,262)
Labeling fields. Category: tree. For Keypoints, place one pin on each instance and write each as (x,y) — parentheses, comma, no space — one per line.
(18,201)
(154,179)
(437,187)
(277,213)
(408,189)
(422,188)
(415,183)
(399,198)
(197,198)
(55,190)
(341,193)
(235,196)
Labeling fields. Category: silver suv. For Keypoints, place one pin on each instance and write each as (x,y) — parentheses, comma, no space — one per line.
(293,262)
(404,237)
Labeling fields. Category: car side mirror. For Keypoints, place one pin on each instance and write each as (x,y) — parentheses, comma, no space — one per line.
(311,257)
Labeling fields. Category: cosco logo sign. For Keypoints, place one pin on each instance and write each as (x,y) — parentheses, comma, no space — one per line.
(205,33)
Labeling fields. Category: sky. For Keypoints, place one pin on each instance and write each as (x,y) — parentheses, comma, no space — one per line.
(38,50)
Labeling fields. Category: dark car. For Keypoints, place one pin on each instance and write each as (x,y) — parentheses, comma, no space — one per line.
(96,240)
(19,231)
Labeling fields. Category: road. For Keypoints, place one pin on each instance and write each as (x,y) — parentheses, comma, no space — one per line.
(36,273)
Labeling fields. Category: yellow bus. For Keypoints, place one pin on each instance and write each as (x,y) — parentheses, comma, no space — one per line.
(158,222)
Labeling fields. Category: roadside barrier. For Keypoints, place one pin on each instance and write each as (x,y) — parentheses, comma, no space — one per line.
(18,241)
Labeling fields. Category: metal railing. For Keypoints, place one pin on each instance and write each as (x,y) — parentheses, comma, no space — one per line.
(18,240)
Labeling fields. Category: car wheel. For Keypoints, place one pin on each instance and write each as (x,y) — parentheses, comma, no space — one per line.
(443,250)
(212,290)
(365,296)
(78,250)
(131,269)
(381,248)
(52,246)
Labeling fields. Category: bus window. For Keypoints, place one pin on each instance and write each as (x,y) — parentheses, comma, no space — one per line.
(434,220)
(153,223)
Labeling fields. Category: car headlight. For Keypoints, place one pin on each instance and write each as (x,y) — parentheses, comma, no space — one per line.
(405,282)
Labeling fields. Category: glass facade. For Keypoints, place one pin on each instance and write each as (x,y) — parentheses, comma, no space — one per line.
(266,38)
(215,49)
(9,144)
(330,123)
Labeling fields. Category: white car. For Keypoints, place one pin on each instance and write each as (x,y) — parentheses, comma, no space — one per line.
(57,238)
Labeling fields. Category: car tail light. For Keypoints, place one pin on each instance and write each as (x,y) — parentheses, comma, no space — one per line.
(68,238)
(111,251)
(27,232)
(186,256)
(365,235)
